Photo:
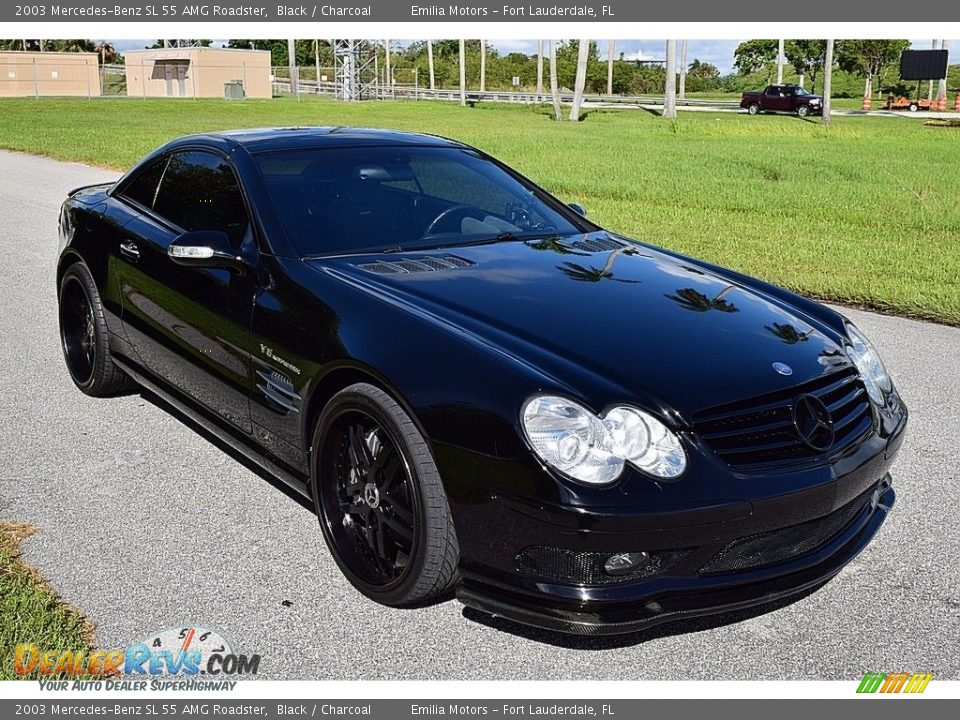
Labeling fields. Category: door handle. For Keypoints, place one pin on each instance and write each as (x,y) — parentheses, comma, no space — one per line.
(129,249)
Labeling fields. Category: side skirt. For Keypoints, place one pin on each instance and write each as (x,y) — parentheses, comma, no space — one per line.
(211,425)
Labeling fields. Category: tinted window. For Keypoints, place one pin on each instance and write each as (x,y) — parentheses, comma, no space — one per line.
(200,192)
(143,188)
(343,200)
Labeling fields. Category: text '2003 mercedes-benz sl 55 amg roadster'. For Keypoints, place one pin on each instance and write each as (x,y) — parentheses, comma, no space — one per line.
(480,389)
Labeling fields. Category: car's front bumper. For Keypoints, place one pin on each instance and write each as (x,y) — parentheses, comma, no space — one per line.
(629,608)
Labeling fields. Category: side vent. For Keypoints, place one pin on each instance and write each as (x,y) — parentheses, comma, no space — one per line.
(409,266)
(279,391)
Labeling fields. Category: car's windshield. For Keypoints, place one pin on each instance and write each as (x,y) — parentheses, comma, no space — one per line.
(362,199)
(800,91)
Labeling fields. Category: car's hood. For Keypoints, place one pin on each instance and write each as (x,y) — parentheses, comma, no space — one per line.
(640,323)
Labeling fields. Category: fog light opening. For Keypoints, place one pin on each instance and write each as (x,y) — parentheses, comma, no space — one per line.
(625,563)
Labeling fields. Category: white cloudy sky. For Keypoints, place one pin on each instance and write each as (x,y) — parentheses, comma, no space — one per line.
(717,52)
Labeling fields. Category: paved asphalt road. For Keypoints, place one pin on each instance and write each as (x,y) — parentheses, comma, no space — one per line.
(144,523)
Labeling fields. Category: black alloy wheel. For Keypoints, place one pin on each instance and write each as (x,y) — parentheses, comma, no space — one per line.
(380,501)
(84,336)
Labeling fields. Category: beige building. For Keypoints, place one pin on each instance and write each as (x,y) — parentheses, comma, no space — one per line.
(197,72)
(48,73)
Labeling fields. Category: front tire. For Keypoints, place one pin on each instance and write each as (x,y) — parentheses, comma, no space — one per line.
(84,336)
(380,501)
(803,111)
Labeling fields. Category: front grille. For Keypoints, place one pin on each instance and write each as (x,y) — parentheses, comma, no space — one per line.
(777,546)
(759,432)
(586,568)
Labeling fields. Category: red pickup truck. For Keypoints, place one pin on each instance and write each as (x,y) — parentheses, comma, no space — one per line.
(782,98)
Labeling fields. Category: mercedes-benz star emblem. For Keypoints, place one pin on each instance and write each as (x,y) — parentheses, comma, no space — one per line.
(783,368)
(813,423)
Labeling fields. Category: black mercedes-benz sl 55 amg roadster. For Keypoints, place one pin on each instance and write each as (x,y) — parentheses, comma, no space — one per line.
(481,390)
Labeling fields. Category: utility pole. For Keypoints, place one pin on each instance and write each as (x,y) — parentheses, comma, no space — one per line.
(292,66)
(463,73)
(539,70)
(683,69)
(827,82)
(780,62)
(933,46)
(483,66)
(611,49)
(670,81)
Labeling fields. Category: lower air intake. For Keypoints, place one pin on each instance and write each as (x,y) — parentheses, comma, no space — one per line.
(777,546)
(569,567)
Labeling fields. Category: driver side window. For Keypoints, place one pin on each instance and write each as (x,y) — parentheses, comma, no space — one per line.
(200,192)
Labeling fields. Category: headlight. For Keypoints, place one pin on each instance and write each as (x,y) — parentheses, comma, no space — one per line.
(594,450)
(869,364)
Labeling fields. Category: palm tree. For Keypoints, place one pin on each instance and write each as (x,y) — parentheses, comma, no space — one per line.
(483,65)
(827,82)
(554,89)
(463,73)
(690,299)
(106,51)
(292,66)
(583,54)
(788,333)
(611,48)
(386,68)
(683,69)
(539,70)
(670,81)
(430,63)
(583,273)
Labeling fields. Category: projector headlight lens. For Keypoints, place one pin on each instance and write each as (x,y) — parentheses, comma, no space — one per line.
(594,450)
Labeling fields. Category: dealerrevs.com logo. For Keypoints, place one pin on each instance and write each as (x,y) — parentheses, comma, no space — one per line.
(185,652)
(901,682)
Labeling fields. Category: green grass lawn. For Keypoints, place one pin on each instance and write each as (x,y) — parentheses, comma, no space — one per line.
(29,611)
(864,212)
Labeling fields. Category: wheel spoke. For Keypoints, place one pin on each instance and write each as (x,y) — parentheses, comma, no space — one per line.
(402,529)
(402,513)
(388,463)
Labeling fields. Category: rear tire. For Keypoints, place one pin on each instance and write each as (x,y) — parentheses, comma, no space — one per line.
(753,109)
(380,501)
(85,338)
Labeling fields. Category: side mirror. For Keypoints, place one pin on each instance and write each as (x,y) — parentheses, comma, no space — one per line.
(205,248)
(578,209)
